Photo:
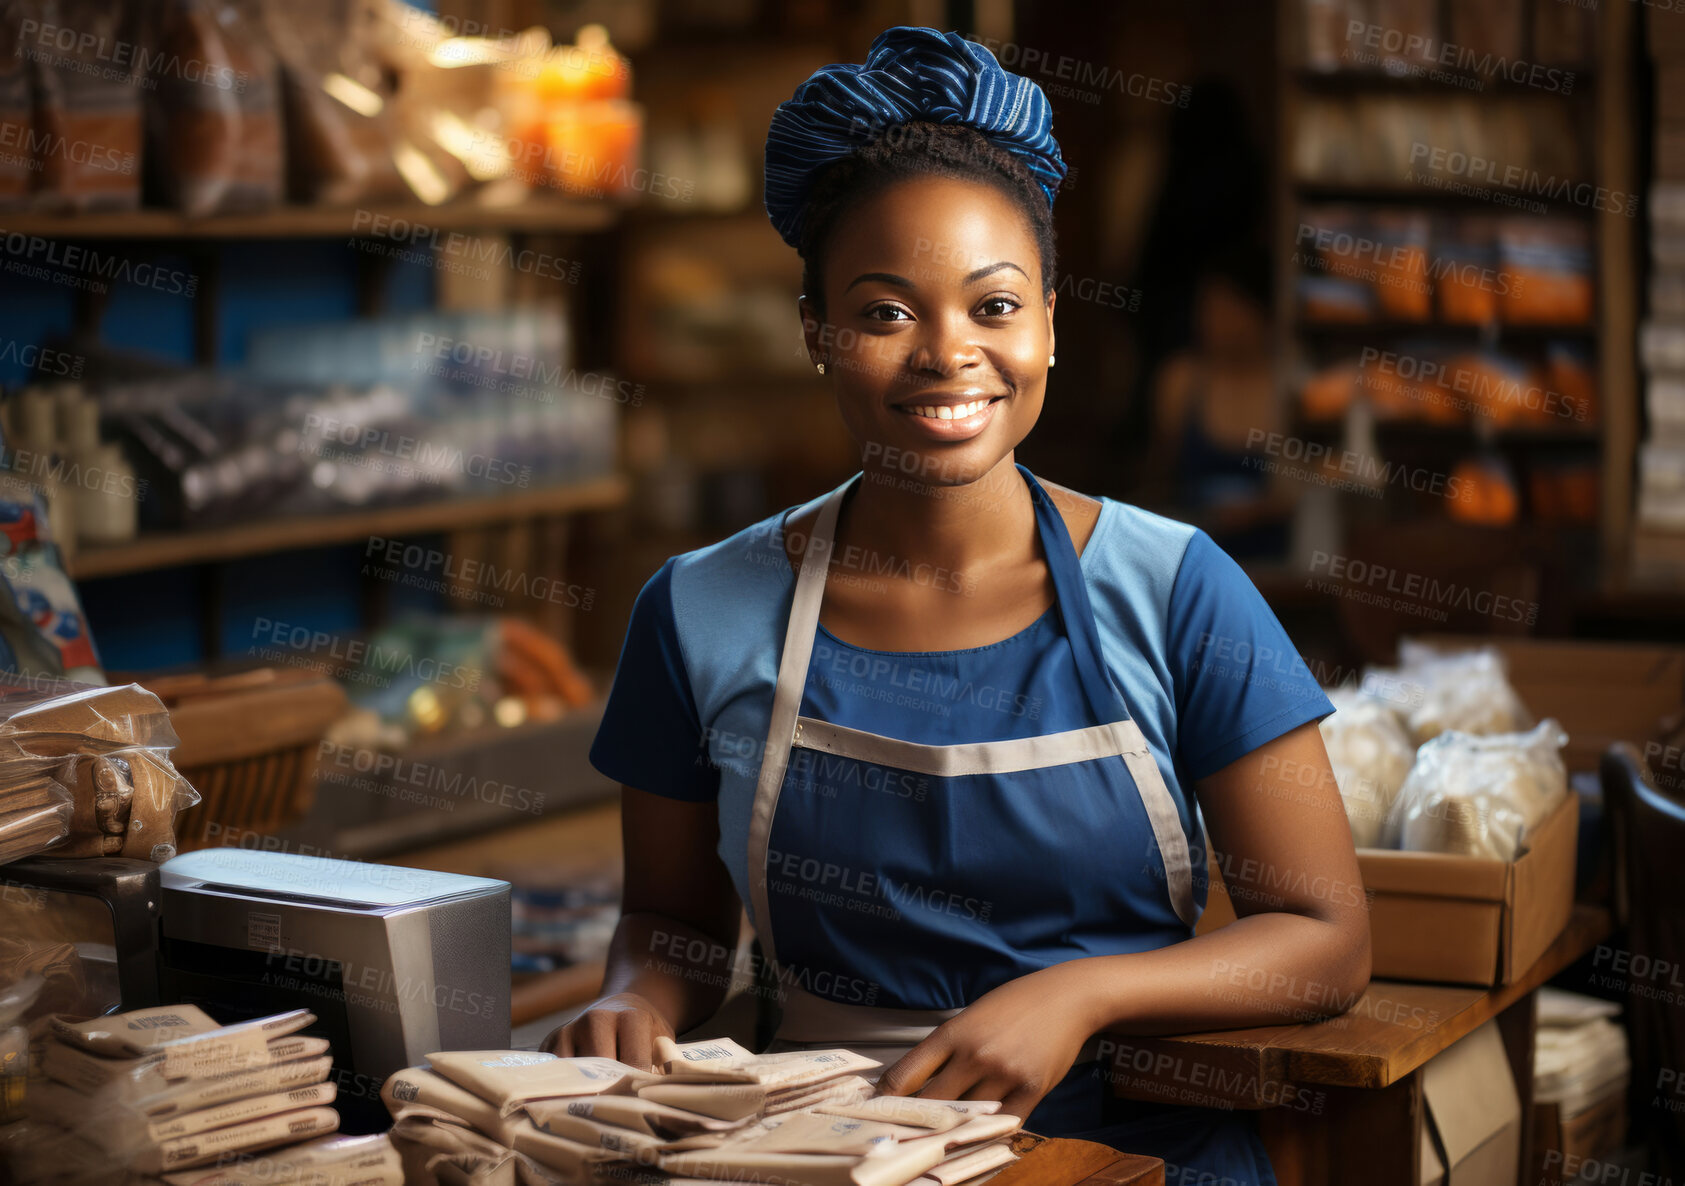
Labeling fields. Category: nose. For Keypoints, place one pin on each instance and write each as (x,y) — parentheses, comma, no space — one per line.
(945,349)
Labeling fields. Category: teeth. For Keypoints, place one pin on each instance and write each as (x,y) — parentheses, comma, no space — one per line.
(950,411)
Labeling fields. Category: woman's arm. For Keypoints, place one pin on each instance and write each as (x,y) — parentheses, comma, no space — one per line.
(1298,951)
(671,957)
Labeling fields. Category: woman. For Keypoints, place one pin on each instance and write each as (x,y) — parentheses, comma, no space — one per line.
(944,729)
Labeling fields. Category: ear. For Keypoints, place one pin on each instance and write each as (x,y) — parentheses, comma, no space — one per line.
(1051,298)
(813,335)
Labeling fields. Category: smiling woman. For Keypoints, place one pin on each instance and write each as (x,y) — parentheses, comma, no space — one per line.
(967,815)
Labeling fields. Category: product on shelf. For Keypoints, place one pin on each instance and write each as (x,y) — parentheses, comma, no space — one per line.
(108,748)
(88,107)
(215,132)
(17,113)
(1488,495)
(1550,268)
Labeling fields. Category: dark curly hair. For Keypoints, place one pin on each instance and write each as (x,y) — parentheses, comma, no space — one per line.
(917,150)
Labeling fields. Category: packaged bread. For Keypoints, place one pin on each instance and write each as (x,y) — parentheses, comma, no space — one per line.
(116,1127)
(894,1164)
(433,1151)
(420,1087)
(141,1079)
(511,1079)
(643,1115)
(1480,796)
(324,1161)
(87,111)
(215,137)
(185,1041)
(735,1101)
(1467,690)
(1371,755)
(967,1165)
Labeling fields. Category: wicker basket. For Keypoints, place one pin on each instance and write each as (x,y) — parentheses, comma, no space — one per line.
(249,745)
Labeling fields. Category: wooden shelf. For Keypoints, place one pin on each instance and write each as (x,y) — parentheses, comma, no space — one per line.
(170,549)
(325,222)
(1449,82)
(1406,194)
(1360,331)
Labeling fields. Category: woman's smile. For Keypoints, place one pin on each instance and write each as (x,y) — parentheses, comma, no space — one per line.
(943,417)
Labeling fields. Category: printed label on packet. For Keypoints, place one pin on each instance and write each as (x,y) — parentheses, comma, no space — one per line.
(263,931)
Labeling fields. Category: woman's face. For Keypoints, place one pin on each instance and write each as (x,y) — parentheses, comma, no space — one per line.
(936,336)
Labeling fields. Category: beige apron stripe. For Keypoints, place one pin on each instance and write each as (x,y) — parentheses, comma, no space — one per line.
(786,705)
(980,757)
(1167,827)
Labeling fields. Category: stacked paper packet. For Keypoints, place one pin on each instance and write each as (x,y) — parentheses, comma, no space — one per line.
(167,1089)
(718,1113)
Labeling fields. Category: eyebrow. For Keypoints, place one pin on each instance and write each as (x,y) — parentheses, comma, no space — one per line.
(902,282)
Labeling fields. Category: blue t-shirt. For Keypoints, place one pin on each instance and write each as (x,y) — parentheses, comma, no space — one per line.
(1202,665)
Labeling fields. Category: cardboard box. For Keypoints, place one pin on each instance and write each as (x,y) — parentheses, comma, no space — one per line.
(1458,920)
(1561,1144)
(1473,1113)
(1602,692)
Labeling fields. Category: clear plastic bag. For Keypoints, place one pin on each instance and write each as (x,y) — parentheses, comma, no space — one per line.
(1480,796)
(1439,690)
(109,750)
(1371,755)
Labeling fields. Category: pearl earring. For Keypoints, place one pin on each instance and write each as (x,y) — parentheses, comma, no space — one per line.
(1050,360)
(821,367)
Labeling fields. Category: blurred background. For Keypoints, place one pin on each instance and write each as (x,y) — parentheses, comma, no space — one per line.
(362,360)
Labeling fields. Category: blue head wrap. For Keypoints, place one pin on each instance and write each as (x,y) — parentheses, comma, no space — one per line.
(909,75)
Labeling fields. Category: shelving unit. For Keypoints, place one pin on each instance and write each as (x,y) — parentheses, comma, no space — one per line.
(322,222)
(263,537)
(1601,110)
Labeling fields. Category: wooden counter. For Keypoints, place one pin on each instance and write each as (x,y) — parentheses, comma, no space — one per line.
(1343,1097)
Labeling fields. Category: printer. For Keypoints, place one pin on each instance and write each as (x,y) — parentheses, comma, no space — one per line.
(396,963)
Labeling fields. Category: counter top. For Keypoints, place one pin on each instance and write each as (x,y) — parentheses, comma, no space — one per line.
(1393,1029)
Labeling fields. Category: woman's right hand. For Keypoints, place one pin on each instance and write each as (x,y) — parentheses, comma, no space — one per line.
(623,1026)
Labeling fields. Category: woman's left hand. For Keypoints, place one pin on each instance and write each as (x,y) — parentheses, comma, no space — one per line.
(1013,1044)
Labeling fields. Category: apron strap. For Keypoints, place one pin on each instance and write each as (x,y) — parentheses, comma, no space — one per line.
(786,705)
(1077,611)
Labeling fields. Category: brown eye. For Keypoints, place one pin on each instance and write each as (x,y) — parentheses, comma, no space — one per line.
(998,306)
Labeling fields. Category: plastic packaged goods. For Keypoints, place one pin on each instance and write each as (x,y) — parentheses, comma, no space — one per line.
(214,133)
(338,118)
(1466,690)
(109,749)
(1479,796)
(87,110)
(1371,755)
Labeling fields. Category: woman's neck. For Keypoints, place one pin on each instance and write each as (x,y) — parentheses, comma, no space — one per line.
(963,529)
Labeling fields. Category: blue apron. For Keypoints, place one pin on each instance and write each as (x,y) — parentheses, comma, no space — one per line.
(985,855)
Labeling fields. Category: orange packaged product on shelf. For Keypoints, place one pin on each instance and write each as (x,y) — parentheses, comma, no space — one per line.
(1497,388)
(1467,280)
(1488,497)
(1567,374)
(1328,393)
(1549,267)
(1403,291)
